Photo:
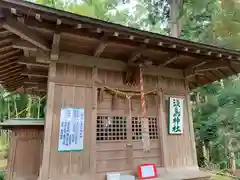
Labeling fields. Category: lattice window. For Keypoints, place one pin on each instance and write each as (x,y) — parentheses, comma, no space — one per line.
(111,128)
(153,128)
(137,128)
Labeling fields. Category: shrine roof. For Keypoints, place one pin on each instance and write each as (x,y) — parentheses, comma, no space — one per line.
(8,124)
(28,29)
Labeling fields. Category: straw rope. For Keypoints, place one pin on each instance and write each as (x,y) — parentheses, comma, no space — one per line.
(145,127)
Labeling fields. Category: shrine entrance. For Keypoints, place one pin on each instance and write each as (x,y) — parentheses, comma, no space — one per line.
(119,143)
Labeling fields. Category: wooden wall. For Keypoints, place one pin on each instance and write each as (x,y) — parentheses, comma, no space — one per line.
(25,153)
(67,88)
(74,86)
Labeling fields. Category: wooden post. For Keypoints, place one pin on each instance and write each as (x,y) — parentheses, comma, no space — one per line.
(48,125)
(93,123)
(191,128)
(162,128)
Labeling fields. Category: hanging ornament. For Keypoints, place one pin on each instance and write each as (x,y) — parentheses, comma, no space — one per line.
(144,120)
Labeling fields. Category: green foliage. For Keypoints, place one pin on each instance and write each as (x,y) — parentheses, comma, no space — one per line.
(15,105)
(2,175)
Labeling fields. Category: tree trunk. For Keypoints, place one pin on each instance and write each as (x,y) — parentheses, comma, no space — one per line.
(232,160)
(39,106)
(175,22)
(29,106)
(9,112)
(200,154)
(205,152)
(15,106)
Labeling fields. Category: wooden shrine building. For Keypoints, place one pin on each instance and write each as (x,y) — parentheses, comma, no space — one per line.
(130,88)
(25,148)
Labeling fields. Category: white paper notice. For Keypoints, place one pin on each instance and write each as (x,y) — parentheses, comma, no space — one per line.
(71,132)
(147,171)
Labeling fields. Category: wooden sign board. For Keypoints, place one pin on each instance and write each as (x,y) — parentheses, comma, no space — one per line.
(175,124)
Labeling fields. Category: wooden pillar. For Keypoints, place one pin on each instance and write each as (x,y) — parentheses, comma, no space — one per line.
(69,86)
(191,128)
(44,171)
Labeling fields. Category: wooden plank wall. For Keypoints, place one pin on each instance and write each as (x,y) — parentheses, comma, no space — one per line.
(25,154)
(178,150)
(72,86)
(66,89)
(179,147)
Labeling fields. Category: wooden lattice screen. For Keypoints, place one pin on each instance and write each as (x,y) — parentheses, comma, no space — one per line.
(137,128)
(115,128)
(111,128)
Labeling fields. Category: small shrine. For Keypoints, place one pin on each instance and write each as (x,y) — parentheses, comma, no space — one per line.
(25,148)
(117,97)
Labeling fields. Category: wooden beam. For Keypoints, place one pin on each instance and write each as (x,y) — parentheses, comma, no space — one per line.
(9,68)
(213,65)
(38,85)
(217,77)
(189,71)
(35,74)
(3,32)
(10,53)
(15,83)
(25,33)
(42,57)
(202,80)
(12,79)
(55,47)
(24,45)
(232,68)
(110,64)
(13,73)
(169,61)
(137,54)
(5,48)
(208,78)
(100,48)
(223,73)
(7,39)
(3,61)
(26,53)
(10,75)
(209,66)
(34,81)
(15,87)
(196,64)
(4,65)
(31,61)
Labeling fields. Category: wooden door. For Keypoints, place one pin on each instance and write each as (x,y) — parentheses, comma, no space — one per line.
(119,138)
(154,155)
(112,150)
